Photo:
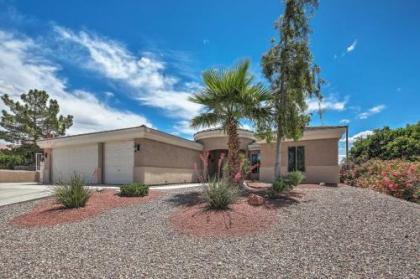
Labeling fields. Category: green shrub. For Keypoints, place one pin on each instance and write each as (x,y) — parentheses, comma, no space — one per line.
(271,194)
(286,183)
(134,190)
(73,194)
(387,144)
(220,194)
(282,184)
(296,177)
(8,160)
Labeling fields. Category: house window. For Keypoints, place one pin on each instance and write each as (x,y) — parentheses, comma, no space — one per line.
(255,159)
(296,158)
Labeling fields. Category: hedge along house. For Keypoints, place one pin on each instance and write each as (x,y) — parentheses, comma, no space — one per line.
(146,155)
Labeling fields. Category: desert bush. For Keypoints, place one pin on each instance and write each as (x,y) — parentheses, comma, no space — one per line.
(398,178)
(286,183)
(271,194)
(296,177)
(73,194)
(282,184)
(134,190)
(220,194)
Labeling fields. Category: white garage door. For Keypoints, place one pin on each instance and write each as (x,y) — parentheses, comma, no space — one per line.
(82,160)
(119,162)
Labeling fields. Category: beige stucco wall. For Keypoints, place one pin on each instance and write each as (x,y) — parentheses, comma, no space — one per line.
(158,175)
(18,176)
(157,154)
(162,163)
(221,143)
(321,160)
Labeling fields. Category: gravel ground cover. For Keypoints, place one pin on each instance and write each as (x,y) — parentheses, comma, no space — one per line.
(339,232)
(49,213)
(240,219)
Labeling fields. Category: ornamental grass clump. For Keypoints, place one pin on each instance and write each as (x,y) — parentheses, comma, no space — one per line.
(134,190)
(282,184)
(220,194)
(288,182)
(296,177)
(73,194)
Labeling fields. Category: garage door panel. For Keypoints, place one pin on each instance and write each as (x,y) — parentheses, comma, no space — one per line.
(80,160)
(119,162)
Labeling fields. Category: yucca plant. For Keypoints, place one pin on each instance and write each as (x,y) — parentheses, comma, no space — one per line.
(73,194)
(220,194)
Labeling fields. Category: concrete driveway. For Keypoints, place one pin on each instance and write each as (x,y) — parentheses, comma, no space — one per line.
(25,191)
(18,192)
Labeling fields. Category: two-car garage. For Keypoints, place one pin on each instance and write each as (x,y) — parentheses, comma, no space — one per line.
(110,162)
(138,154)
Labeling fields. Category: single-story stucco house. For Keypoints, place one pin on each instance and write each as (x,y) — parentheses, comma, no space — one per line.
(146,155)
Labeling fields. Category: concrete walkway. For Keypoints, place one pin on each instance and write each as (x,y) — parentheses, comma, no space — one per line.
(20,191)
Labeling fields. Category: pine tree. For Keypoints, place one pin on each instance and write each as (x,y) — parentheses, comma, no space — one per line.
(32,119)
(292,75)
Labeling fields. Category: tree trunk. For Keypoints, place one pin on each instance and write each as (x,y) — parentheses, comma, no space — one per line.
(277,164)
(233,148)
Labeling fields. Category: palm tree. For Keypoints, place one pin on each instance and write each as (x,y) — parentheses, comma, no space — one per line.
(229,96)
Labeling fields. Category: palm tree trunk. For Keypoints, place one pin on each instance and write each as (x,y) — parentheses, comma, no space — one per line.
(277,164)
(233,148)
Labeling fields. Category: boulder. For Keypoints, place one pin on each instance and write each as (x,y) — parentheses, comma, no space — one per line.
(255,200)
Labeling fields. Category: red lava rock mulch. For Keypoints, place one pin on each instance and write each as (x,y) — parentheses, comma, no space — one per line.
(49,213)
(241,218)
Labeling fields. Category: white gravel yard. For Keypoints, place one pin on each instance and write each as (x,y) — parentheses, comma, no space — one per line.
(339,232)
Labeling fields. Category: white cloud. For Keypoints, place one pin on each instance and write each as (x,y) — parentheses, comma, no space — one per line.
(371,111)
(362,135)
(345,121)
(351,47)
(183,127)
(109,94)
(328,103)
(23,67)
(145,75)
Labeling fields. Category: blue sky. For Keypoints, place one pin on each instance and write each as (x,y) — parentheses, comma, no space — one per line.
(125,63)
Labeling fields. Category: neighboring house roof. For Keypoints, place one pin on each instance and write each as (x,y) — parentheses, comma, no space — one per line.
(6,146)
